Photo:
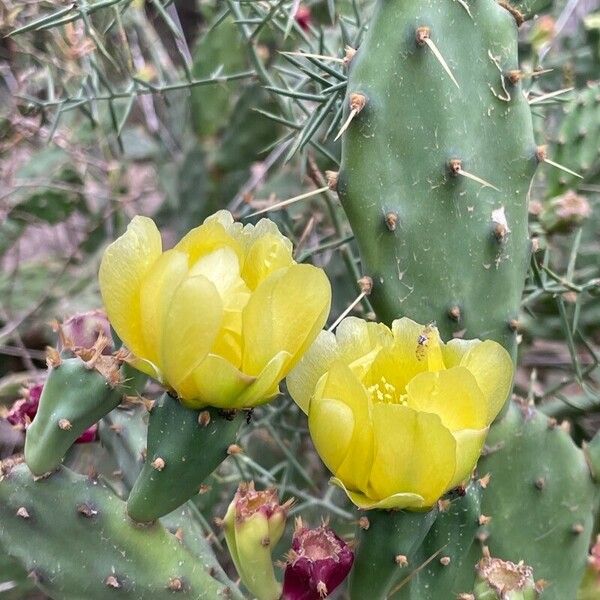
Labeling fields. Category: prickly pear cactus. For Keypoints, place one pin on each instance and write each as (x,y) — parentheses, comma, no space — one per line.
(576,145)
(437,163)
(46,522)
(75,396)
(535,466)
(184,447)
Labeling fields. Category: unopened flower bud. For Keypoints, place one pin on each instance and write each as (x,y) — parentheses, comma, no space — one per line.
(254,523)
(317,563)
(565,213)
(82,330)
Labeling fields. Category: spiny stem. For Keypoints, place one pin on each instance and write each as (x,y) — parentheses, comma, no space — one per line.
(366,286)
(562,168)
(455,166)
(465,6)
(542,156)
(347,311)
(423,37)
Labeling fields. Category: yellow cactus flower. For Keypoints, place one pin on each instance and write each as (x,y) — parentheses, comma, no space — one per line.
(222,317)
(398,416)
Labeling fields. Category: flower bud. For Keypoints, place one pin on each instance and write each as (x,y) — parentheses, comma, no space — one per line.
(303,17)
(82,330)
(503,580)
(317,563)
(590,585)
(254,523)
(565,213)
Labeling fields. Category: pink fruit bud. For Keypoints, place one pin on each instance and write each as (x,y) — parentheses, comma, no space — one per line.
(317,563)
(303,17)
(82,330)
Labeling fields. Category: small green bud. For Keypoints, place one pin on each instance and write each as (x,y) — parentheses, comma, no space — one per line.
(253,524)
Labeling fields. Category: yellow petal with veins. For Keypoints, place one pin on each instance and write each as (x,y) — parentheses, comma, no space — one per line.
(414,454)
(189,331)
(156,293)
(217,383)
(285,313)
(394,502)
(492,367)
(316,361)
(124,265)
(266,386)
(453,395)
(267,254)
(469,443)
(340,384)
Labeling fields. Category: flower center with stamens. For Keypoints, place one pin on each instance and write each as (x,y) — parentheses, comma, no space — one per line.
(383,391)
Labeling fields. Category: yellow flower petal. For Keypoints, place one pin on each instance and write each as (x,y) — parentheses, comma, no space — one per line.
(285,313)
(190,327)
(453,395)
(222,268)
(455,349)
(217,383)
(341,384)
(207,238)
(156,293)
(394,365)
(124,266)
(419,341)
(357,338)
(414,454)
(316,361)
(395,501)
(493,370)
(267,254)
(331,427)
(266,386)
(469,444)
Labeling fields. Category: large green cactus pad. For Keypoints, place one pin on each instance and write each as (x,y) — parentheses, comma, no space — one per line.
(52,524)
(540,499)
(184,447)
(448,256)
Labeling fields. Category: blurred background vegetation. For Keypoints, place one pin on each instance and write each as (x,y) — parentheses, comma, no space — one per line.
(111,108)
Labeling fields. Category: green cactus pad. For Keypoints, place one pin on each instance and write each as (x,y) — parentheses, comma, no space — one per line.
(387,546)
(74,398)
(48,524)
(445,561)
(540,499)
(123,433)
(184,447)
(449,257)
(576,146)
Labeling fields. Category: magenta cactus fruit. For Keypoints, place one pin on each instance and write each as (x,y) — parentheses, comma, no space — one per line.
(24,410)
(317,563)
